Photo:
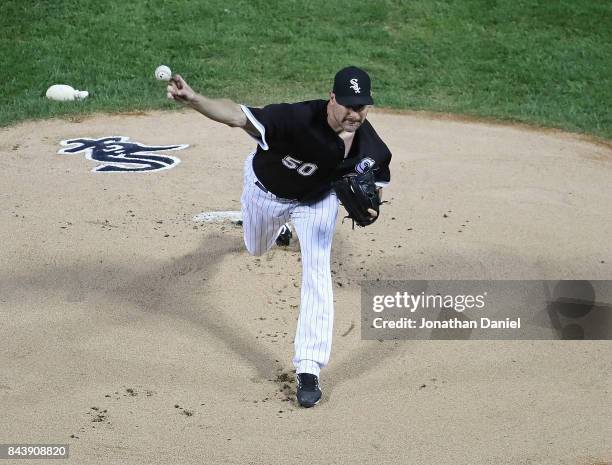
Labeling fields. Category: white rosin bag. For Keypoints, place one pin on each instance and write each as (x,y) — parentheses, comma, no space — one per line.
(65,93)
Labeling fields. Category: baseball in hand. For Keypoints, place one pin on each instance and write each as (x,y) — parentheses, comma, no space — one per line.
(163,73)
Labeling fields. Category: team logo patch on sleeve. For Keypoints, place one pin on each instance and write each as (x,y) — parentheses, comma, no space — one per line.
(364,165)
(117,154)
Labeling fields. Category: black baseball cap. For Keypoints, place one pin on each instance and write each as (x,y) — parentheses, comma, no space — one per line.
(352,87)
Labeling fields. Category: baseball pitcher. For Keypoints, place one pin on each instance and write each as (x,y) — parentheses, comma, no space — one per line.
(309,156)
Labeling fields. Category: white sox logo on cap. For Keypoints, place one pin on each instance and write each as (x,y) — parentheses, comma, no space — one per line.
(352,87)
(355,85)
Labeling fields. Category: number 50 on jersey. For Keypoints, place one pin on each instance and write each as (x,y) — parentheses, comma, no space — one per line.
(304,169)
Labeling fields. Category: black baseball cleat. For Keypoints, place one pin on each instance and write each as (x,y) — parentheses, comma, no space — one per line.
(284,237)
(308,391)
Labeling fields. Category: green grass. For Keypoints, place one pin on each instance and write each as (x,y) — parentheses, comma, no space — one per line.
(546,62)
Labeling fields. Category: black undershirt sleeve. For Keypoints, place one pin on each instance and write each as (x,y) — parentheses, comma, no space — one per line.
(383,174)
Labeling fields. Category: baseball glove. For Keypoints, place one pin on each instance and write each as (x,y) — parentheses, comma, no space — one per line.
(358,192)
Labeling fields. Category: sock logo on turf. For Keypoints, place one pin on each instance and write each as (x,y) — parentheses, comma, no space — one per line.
(116,154)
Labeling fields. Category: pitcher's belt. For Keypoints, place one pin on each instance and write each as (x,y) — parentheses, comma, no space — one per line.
(261,186)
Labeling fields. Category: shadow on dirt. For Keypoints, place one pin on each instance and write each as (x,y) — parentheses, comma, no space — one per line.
(164,288)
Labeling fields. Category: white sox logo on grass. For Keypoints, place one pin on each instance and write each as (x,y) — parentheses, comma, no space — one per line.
(116,154)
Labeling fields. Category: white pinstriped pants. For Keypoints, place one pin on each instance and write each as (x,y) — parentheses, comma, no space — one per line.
(263,215)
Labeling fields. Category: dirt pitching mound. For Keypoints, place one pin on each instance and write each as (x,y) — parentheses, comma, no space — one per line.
(139,335)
